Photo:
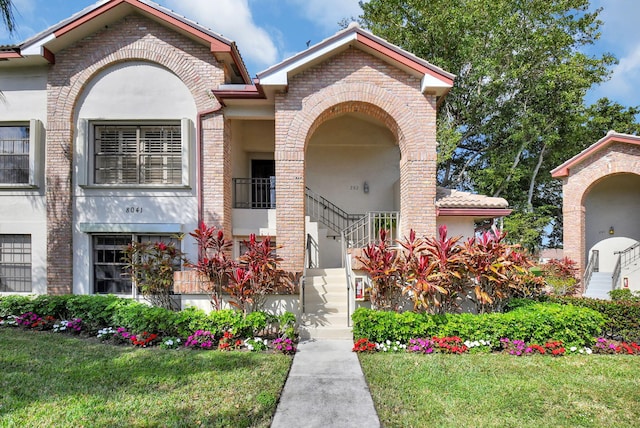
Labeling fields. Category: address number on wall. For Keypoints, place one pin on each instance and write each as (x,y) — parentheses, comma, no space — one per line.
(133,210)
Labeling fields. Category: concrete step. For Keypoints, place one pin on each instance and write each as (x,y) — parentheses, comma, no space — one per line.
(327,272)
(599,286)
(310,333)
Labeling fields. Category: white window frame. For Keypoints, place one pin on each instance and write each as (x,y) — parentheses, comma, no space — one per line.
(36,134)
(18,261)
(87,131)
(132,237)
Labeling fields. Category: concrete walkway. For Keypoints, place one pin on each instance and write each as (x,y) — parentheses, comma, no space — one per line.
(325,388)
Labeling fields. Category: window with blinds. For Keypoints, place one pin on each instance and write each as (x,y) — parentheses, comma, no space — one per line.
(14,154)
(15,263)
(138,154)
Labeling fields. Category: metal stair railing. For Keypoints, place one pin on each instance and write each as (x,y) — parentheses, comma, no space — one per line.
(592,266)
(625,258)
(326,212)
(367,229)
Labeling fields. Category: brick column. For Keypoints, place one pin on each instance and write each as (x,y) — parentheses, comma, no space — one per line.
(290,202)
(216,179)
(417,195)
(59,207)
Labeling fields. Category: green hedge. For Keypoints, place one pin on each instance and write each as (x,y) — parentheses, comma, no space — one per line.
(535,322)
(623,317)
(99,311)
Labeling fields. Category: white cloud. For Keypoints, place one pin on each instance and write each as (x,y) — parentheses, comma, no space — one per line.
(233,19)
(327,13)
(620,37)
(623,85)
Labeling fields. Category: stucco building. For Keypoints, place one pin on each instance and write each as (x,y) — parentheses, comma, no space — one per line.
(127,122)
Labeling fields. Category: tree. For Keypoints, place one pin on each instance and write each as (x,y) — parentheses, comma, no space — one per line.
(6,10)
(517,109)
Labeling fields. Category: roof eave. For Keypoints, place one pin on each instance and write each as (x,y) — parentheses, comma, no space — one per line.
(612,137)
(473,212)
(434,79)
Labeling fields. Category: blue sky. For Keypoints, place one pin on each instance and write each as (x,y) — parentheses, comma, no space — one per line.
(268,31)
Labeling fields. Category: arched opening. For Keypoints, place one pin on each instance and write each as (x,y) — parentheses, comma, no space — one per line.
(353,161)
(610,207)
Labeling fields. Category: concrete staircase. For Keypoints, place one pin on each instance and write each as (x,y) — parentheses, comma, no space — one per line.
(326,309)
(599,286)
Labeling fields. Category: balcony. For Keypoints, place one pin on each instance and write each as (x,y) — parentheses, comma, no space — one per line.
(254,193)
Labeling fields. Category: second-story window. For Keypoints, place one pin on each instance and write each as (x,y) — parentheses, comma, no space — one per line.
(138,154)
(14,154)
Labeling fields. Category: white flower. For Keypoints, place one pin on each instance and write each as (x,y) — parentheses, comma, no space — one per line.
(588,351)
(573,349)
(388,342)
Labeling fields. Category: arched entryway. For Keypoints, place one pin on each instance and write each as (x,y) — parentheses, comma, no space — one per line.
(352,161)
(601,198)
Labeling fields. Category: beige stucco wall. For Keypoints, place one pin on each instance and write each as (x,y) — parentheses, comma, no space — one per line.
(23,210)
(348,151)
(612,202)
(458,226)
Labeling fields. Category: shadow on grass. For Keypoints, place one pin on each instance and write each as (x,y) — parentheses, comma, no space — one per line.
(49,378)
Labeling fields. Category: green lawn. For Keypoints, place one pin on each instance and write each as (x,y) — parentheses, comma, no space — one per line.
(499,390)
(50,379)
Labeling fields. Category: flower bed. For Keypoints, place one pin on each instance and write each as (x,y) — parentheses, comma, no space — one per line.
(126,322)
(518,348)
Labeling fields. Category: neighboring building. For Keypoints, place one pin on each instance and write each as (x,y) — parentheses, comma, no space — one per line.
(601,191)
(130,122)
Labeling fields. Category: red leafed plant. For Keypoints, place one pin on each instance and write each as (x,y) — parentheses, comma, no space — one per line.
(381,263)
(213,260)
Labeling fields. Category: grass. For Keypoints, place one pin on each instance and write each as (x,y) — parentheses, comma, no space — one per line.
(496,390)
(50,379)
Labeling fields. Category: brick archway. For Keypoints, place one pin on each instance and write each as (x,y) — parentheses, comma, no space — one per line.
(614,159)
(404,110)
(134,38)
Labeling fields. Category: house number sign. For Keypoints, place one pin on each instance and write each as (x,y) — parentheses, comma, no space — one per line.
(133,210)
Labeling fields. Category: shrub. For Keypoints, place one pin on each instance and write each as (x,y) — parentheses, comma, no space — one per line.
(98,313)
(624,294)
(622,317)
(535,323)
(379,326)
(15,305)
(436,273)
(561,276)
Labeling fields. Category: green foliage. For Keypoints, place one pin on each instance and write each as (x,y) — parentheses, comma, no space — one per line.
(527,227)
(100,311)
(15,305)
(622,317)
(379,326)
(534,322)
(624,294)
(516,109)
